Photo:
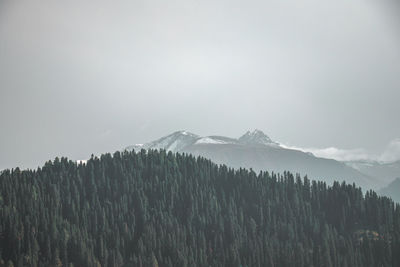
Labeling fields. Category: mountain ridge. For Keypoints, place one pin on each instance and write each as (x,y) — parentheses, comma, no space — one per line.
(178,140)
(256,150)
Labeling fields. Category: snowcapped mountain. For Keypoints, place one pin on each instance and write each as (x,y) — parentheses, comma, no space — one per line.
(257,151)
(256,137)
(180,140)
(174,142)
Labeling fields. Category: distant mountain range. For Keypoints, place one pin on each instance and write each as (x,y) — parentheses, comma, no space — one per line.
(392,190)
(384,172)
(257,151)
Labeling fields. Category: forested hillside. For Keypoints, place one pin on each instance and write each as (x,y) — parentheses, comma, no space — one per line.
(163,209)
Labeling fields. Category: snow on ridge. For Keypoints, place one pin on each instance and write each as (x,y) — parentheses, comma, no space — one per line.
(209,140)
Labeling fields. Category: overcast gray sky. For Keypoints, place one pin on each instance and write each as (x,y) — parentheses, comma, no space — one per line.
(83,77)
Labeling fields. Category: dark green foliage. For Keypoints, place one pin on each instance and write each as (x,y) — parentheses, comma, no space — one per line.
(160,209)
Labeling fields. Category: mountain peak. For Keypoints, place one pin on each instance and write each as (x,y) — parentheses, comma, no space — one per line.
(256,137)
(183,132)
(173,142)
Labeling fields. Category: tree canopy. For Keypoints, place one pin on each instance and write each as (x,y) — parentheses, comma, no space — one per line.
(156,208)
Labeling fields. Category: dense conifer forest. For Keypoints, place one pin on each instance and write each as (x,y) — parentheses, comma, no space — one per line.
(157,208)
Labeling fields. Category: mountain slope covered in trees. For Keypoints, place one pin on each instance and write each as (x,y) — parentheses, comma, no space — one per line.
(163,209)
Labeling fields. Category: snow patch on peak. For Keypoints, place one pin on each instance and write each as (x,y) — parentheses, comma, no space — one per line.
(183,132)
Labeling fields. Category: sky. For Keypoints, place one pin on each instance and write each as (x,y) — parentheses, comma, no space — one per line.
(88,77)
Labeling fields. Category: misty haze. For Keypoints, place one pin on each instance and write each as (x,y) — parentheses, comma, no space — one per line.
(200,133)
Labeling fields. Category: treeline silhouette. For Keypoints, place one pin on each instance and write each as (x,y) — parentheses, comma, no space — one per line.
(156,208)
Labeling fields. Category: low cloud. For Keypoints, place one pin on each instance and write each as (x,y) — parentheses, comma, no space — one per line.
(336,153)
(390,154)
(392,151)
